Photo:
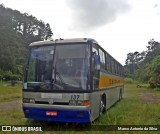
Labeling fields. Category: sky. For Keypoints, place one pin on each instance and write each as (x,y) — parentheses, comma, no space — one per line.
(119,26)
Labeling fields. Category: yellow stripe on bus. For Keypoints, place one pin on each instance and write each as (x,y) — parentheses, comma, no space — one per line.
(107,81)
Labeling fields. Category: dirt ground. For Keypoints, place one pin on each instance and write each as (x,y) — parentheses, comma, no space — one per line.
(10,105)
(149,97)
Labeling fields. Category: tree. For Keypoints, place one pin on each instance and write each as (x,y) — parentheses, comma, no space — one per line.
(145,66)
(17,31)
(133,60)
(154,72)
(153,50)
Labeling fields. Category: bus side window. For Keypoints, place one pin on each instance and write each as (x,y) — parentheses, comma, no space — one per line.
(108,63)
(102,58)
(94,71)
(112,65)
(118,69)
(115,64)
(94,52)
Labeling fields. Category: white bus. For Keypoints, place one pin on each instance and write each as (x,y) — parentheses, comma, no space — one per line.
(70,80)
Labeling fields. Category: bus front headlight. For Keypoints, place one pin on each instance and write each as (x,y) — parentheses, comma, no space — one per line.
(28,100)
(73,102)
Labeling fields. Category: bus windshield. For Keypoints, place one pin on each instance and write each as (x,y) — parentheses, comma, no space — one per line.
(58,67)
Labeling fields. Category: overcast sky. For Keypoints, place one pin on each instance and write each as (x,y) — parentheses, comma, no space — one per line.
(119,26)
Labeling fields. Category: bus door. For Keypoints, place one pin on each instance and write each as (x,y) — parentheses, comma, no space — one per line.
(95,66)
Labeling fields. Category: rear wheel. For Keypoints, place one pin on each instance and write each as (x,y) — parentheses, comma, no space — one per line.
(120,95)
(102,107)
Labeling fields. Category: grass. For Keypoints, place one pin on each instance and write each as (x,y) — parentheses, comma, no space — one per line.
(10,93)
(131,110)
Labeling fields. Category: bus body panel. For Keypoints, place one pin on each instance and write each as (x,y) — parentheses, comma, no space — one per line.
(59,104)
(112,96)
(55,105)
(81,116)
(95,103)
(47,97)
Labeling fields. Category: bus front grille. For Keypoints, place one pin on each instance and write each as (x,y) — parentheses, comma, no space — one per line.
(54,103)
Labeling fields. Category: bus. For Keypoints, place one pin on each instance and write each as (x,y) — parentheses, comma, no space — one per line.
(70,80)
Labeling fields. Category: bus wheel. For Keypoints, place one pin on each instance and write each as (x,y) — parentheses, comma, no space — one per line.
(102,107)
(120,95)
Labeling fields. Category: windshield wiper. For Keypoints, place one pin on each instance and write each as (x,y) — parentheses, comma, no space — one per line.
(44,85)
(59,85)
(39,86)
(70,86)
(60,77)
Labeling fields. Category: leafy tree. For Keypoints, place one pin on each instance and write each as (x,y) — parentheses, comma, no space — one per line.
(154,68)
(154,72)
(17,31)
(142,73)
(145,66)
(132,61)
(153,50)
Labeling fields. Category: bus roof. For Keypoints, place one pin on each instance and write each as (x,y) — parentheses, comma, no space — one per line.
(57,41)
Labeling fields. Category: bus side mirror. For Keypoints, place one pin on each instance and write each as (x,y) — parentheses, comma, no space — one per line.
(97,62)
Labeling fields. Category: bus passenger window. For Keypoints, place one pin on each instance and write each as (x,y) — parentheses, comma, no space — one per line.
(102,58)
(95,71)
(113,66)
(108,63)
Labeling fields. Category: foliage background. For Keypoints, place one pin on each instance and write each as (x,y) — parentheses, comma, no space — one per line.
(145,66)
(17,31)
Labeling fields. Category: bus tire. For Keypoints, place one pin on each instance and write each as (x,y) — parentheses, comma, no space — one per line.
(120,94)
(102,106)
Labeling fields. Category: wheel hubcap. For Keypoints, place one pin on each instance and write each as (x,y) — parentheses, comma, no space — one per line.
(102,107)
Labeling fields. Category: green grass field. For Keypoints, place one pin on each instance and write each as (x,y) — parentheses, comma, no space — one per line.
(136,108)
(10,93)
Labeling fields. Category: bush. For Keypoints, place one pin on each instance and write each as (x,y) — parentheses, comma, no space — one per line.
(8,75)
(154,81)
(1,77)
(129,81)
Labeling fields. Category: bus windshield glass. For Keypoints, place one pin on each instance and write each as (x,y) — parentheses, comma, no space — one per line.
(58,67)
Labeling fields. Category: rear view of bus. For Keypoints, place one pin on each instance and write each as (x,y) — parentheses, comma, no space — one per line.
(61,83)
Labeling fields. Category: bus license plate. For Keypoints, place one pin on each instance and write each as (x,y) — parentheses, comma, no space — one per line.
(51,113)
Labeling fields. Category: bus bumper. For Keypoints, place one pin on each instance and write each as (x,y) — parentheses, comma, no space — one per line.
(79,116)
